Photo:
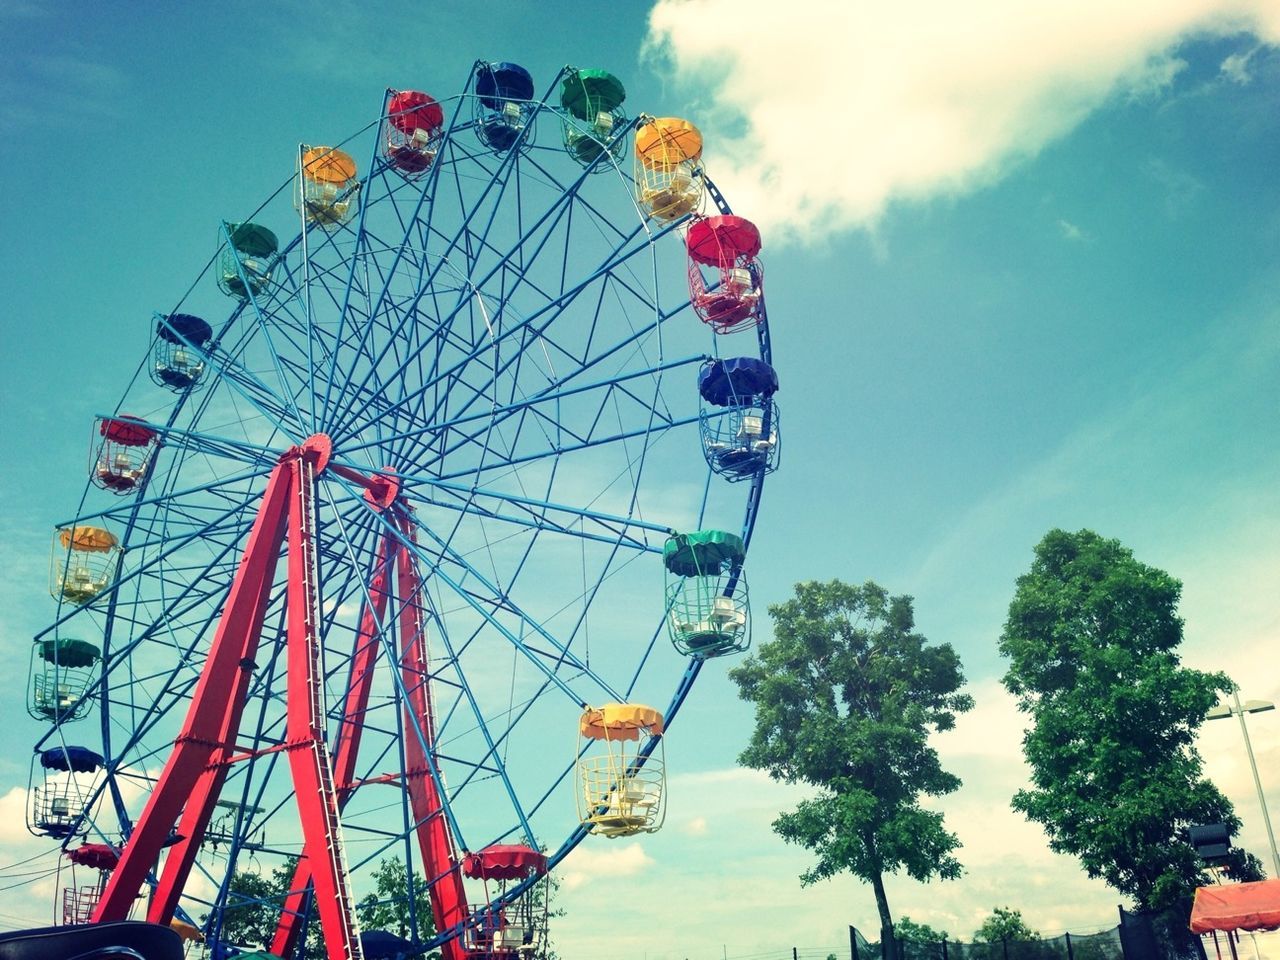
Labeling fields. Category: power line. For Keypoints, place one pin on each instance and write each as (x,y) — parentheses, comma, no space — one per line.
(31,873)
(26,883)
(37,856)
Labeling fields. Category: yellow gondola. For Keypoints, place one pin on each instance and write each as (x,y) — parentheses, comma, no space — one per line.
(328,191)
(668,176)
(622,788)
(83,563)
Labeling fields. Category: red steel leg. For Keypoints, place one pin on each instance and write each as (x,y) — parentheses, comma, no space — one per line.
(308,757)
(218,697)
(439,858)
(359,682)
(200,805)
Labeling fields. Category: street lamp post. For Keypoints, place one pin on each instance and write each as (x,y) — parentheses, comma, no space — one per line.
(1251,706)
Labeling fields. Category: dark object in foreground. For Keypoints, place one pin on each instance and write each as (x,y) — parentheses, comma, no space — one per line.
(126,940)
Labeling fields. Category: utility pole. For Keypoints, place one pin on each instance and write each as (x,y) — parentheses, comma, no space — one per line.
(1251,706)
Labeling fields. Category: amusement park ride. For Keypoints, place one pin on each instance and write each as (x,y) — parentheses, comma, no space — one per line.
(471,406)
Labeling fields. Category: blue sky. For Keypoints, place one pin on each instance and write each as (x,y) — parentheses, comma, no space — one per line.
(1021,273)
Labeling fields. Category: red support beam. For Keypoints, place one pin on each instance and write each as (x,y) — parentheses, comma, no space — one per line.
(194,774)
(200,805)
(439,857)
(204,732)
(313,783)
(364,658)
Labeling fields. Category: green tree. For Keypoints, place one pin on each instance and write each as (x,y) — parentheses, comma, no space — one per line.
(846,696)
(253,907)
(1004,923)
(542,896)
(252,910)
(904,928)
(388,906)
(1091,640)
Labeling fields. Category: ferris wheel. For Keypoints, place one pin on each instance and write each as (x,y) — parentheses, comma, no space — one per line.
(413,531)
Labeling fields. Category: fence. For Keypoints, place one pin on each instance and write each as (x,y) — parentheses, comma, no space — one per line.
(1138,936)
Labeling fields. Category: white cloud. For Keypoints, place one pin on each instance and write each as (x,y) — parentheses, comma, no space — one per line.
(30,867)
(993,728)
(819,114)
(13,816)
(695,827)
(1072,232)
(590,862)
(1236,67)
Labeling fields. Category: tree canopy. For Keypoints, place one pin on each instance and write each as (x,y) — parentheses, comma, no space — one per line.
(904,928)
(254,902)
(252,910)
(253,906)
(1004,923)
(1091,641)
(388,906)
(846,696)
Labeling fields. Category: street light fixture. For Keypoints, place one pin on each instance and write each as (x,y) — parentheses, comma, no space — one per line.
(1239,710)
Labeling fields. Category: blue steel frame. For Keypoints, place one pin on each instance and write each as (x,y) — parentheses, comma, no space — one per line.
(493,330)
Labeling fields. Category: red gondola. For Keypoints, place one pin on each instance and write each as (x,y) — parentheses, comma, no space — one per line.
(78,900)
(413,131)
(121,456)
(503,926)
(731,298)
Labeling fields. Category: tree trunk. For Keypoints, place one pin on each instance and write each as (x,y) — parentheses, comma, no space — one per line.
(888,942)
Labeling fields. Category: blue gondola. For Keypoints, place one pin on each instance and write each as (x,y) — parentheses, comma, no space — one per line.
(178,354)
(739,419)
(67,777)
(502,106)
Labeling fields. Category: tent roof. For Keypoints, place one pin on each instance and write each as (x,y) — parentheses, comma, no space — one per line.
(1237,906)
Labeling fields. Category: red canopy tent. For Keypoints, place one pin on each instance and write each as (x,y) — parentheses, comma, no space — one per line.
(1237,906)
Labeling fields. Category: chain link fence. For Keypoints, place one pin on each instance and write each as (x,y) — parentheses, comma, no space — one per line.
(1138,936)
(1106,945)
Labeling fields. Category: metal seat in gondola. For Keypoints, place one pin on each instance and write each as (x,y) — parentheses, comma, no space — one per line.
(83,563)
(327,191)
(121,452)
(593,119)
(508,925)
(622,788)
(62,785)
(61,670)
(412,132)
(668,176)
(707,603)
(247,259)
